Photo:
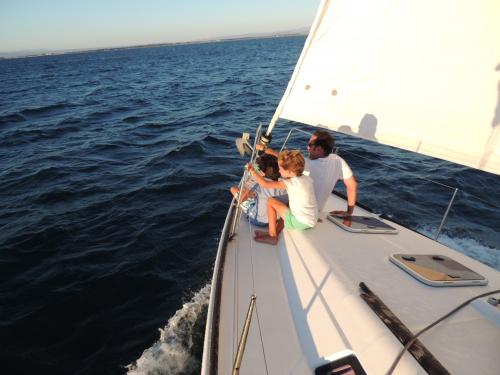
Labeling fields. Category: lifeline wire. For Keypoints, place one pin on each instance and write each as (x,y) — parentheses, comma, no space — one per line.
(425,179)
(410,343)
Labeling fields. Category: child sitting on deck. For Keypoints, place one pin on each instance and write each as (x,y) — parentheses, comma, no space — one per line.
(303,211)
(257,210)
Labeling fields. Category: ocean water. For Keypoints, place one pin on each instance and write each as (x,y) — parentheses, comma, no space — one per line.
(115,169)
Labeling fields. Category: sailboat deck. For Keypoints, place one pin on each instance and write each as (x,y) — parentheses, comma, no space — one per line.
(309,309)
(250,268)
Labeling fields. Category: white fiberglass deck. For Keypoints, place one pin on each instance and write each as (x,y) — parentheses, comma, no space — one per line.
(309,306)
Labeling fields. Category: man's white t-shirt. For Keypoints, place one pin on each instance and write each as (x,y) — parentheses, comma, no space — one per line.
(302,200)
(325,173)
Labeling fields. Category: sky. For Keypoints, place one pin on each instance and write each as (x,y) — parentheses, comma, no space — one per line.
(69,24)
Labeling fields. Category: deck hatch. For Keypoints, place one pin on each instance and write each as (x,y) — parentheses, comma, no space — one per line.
(437,270)
(348,365)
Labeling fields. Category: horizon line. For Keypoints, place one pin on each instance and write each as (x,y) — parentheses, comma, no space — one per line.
(54,52)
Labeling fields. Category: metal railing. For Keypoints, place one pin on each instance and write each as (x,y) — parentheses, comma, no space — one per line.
(244,335)
(237,201)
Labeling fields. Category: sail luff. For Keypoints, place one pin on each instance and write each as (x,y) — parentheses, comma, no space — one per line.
(314,27)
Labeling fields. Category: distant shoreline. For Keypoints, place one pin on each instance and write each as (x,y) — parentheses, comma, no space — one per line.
(155,45)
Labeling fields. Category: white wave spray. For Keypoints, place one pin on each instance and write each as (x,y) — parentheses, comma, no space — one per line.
(173,352)
(470,247)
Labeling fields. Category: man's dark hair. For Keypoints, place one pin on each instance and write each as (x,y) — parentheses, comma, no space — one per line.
(325,141)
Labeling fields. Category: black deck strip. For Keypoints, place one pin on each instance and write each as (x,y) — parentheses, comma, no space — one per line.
(423,356)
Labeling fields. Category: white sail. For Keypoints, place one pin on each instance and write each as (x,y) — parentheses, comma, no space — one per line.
(419,75)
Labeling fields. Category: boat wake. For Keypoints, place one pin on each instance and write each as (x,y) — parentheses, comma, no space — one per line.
(468,246)
(179,348)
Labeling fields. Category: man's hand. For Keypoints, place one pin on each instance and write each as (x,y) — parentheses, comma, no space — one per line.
(267,150)
(340,213)
(347,221)
(347,213)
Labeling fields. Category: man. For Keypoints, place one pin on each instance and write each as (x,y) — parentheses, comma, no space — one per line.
(326,169)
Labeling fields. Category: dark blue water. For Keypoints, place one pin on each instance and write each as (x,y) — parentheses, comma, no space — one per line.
(114,173)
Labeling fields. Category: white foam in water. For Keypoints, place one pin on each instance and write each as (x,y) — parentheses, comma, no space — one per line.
(470,247)
(171,354)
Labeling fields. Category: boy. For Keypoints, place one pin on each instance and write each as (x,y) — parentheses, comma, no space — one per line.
(303,211)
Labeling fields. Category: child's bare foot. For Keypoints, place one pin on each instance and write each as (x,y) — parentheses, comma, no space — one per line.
(267,239)
(279,226)
(261,233)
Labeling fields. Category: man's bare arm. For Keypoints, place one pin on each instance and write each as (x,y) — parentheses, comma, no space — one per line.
(351,187)
(267,150)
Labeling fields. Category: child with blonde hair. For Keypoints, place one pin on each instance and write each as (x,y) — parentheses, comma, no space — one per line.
(303,211)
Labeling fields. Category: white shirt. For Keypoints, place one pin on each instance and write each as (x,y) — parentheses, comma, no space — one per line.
(325,173)
(302,200)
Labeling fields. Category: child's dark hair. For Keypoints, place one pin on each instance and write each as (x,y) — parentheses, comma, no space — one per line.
(269,165)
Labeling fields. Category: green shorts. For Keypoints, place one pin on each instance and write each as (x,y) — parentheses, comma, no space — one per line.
(291,222)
